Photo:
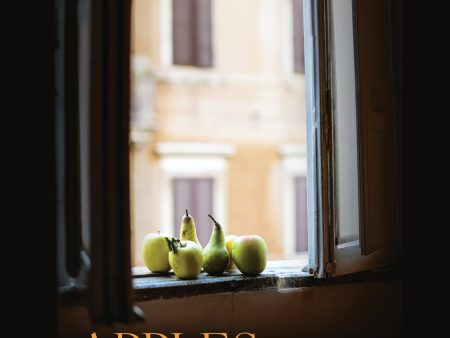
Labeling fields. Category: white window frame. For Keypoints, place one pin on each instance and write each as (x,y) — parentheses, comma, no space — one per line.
(193,160)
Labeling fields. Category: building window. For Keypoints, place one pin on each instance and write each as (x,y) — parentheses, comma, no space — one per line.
(301,228)
(193,176)
(297,23)
(293,175)
(192,33)
(195,194)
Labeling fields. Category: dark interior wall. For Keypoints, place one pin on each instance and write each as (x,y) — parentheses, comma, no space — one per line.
(29,165)
(370,309)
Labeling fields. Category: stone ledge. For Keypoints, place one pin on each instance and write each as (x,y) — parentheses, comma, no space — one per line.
(281,276)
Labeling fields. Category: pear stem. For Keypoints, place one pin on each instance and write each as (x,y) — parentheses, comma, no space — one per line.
(187,214)
(215,222)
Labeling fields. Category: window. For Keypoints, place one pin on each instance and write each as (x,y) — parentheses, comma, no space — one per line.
(191,176)
(347,192)
(297,20)
(344,113)
(350,155)
(195,195)
(192,33)
(293,171)
(301,231)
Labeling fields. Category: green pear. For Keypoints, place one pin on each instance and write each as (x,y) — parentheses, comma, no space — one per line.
(188,231)
(215,254)
(185,258)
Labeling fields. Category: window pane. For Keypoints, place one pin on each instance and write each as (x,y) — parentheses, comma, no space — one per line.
(346,140)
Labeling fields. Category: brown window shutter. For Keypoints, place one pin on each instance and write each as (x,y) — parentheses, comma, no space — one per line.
(299,55)
(192,33)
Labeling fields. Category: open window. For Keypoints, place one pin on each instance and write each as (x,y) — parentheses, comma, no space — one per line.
(337,189)
(377,243)
(351,139)
(94,120)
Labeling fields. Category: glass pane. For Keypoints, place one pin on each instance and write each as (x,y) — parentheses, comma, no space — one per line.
(346,142)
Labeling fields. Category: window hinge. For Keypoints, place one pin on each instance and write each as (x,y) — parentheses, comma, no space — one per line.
(330,268)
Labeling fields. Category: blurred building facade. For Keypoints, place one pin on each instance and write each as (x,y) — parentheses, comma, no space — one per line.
(218,119)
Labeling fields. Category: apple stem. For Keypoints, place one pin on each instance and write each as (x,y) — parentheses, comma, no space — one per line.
(169,243)
(187,214)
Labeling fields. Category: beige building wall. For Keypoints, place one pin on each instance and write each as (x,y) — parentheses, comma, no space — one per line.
(250,99)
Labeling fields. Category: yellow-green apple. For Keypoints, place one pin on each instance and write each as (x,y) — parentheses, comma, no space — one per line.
(250,254)
(185,258)
(155,252)
(229,240)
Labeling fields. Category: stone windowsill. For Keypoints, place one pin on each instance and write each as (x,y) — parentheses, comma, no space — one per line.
(283,276)
(278,274)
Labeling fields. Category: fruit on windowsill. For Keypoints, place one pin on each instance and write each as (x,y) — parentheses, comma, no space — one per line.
(155,252)
(185,258)
(215,254)
(188,231)
(229,240)
(250,254)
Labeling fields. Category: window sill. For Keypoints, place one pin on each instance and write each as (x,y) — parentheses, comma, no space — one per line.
(278,274)
(283,276)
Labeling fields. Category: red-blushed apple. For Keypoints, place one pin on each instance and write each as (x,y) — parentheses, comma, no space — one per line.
(155,252)
(250,254)
(185,258)
(229,240)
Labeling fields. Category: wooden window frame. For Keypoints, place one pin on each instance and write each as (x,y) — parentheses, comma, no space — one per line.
(326,258)
(97,192)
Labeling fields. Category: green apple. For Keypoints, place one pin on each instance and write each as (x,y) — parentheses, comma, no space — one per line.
(250,254)
(229,240)
(185,258)
(155,252)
